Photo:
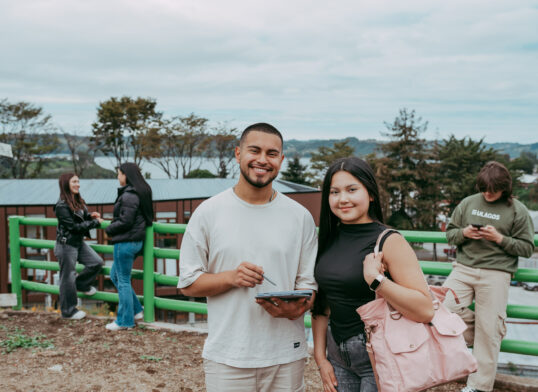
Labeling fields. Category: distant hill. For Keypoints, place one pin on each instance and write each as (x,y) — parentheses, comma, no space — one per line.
(304,148)
(514,149)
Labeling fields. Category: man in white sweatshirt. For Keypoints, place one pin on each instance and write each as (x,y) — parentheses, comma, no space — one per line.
(231,241)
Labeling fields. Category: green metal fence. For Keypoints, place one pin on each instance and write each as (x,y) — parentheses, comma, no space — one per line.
(150,278)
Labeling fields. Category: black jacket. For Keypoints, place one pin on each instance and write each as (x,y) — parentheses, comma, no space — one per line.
(128,223)
(73,226)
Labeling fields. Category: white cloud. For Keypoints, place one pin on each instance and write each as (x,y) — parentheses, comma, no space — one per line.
(316,69)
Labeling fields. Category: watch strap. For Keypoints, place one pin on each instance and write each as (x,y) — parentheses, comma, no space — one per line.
(377,282)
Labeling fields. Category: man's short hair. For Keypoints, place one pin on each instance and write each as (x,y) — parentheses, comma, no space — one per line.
(261,127)
(495,177)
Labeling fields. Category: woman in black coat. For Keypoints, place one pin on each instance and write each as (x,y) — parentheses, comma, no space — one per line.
(133,212)
(74,223)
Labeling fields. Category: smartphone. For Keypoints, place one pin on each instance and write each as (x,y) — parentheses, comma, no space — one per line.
(476,225)
(286,295)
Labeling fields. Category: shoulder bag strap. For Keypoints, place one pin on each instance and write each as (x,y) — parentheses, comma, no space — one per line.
(384,233)
(394,313)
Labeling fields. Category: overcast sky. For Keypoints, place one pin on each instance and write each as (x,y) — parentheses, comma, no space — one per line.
(314,69)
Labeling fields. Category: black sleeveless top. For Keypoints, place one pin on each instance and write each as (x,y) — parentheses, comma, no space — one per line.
(339,273)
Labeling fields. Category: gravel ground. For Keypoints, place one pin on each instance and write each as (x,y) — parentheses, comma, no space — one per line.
(65,355)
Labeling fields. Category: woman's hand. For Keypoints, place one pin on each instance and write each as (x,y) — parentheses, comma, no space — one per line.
(328,378)
(95,215)
(372,266)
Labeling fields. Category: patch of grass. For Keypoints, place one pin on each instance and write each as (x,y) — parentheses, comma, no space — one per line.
(150,358)
(137,333)
(17,340)
(102,309)
(145,327)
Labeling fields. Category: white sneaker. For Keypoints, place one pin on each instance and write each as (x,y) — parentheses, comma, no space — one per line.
(139,315)
(114,327)
(77,316)
(92,290)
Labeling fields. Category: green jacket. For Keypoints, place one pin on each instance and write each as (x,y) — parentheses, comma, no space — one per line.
(512,221)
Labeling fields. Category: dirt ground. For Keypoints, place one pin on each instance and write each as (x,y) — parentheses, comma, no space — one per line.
(66,355)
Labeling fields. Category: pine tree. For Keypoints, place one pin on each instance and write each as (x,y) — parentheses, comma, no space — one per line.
(295,172)
(408,175)
(460,160)
(321,160)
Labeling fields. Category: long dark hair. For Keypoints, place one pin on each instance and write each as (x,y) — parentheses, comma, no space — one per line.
(142,189)
(328,222)
(74,201)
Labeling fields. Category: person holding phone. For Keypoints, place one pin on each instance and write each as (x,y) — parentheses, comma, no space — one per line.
(490,229)
(231,241)
(349,275)
(74,223)
(133,212)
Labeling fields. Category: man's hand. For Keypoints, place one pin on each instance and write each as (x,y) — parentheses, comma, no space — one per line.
(490,233)
(247,275)
(289,309)
(95,215)
(472,232)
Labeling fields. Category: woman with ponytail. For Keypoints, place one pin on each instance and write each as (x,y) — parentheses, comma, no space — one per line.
(133,212)
(74,223)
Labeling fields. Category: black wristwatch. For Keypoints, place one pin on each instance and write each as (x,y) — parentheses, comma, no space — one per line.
(377,282)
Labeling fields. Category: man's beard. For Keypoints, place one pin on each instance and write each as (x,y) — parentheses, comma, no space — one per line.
(257,184)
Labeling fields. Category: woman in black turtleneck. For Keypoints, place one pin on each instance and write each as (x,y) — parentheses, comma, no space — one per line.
(348,275)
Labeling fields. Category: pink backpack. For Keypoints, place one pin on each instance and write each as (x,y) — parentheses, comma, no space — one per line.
(408,356)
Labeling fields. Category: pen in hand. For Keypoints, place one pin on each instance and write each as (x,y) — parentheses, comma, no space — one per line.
(269,280)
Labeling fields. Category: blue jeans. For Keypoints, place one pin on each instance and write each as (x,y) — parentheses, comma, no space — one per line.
(351,364)
(120,274)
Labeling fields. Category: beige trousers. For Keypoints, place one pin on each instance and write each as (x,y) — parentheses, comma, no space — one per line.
(486,324)
(287,377)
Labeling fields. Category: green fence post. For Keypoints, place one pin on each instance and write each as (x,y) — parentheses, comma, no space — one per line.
(15,258)
(149,279)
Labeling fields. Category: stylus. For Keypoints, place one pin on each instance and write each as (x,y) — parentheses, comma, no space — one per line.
(269,280)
